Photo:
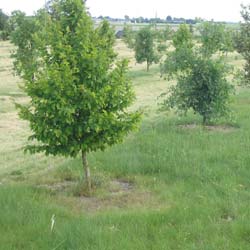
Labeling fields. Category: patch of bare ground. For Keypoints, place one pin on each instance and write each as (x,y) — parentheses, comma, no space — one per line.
(215,128)
(58,187)
(122,200)
(119,194)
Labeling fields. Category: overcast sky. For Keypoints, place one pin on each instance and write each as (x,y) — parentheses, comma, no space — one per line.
(219,10)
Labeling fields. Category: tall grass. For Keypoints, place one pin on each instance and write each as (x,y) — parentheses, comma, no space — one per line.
(190,185)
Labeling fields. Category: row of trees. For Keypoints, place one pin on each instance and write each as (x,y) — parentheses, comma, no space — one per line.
(79,91)
(148,43)
(151,44)
(197,63)
(168,19)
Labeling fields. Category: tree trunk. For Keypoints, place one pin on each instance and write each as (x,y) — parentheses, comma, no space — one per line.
(147,66)
(204,121)
(86,170)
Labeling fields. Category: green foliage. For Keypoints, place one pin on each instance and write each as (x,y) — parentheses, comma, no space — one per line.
(215,37)
(144,47)
(204,89)
(179,60)
(22,36)
(201,80)
(3,20)
(129,36)
(182,37)
(243,43)
(79,91)
(164,35)
(196,188)
(4,26)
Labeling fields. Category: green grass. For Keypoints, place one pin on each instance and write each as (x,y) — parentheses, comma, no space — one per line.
(170,185)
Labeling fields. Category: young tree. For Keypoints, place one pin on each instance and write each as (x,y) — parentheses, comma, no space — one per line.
(215,37)
(179,60)
(243,42)
(79,91)
(165,34)
(4,26)
(161,37)
(183,37)
(129,36)
(201,80)
(204,89)
(22,36)
(3,20)
(144,47)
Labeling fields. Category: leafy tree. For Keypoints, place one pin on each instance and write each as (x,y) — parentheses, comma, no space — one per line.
(215,37)
(166,33)
(79,90)
(191,28)
(183,37)
(126,17)
(162,36)
(201,80)
(3,20)
(204,89)
(179,60)
(144,47)
(169,19)
(4,26)
(243,42)
(129,36)
(25,56)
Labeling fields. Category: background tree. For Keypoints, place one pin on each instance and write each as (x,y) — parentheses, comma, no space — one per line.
(215,37)
(179,60)
(169,19)
(201,80)
(183,37)
(128,36)
(162,36)
(3,20)
(127,19)
(144,47)
(22,36)
(205,90)
(243,43)
(80,91)
(4,26)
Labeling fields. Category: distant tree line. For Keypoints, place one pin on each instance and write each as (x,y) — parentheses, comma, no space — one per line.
(168,19)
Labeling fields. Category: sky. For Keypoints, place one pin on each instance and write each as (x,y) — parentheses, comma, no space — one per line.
(218,10)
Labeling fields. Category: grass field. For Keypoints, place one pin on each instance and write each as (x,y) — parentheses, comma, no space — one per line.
(171,185)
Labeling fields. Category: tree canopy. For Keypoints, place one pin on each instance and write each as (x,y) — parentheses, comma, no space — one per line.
(215,37)
(144,47)
(201,79)
(243,43)
(79,91)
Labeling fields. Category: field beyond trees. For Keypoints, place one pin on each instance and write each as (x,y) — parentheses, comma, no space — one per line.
(173,184)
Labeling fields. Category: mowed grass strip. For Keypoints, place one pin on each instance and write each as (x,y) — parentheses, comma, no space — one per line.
(189,185)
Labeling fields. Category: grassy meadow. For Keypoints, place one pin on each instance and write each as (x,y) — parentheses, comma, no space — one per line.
(171,185)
